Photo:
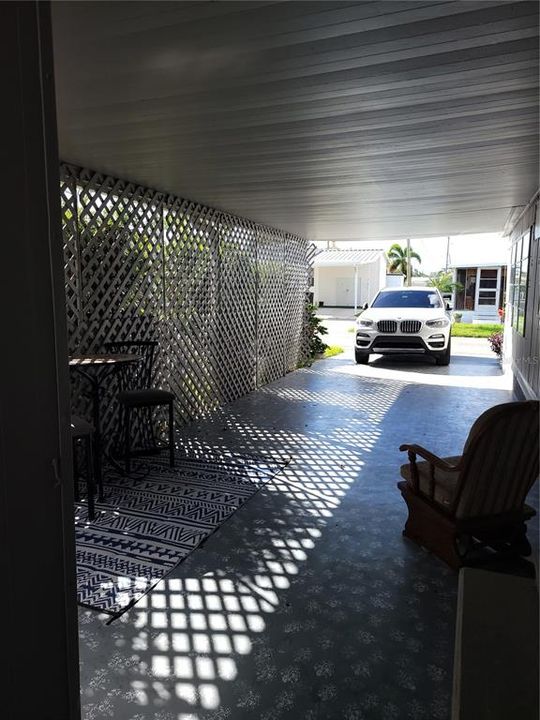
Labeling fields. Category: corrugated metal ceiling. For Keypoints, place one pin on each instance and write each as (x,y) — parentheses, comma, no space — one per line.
(337,120)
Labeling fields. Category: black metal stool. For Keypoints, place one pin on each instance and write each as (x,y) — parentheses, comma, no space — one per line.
(136,392)
(81,430)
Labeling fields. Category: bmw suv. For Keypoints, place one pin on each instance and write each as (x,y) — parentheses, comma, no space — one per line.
(404,320)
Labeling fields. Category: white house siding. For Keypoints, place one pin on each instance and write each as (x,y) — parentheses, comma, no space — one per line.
(394,281)
(522,342)
(334,286)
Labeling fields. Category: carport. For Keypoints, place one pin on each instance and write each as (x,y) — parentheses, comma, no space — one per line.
(262,126)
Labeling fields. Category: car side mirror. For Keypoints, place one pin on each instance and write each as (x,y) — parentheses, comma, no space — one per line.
(365,306)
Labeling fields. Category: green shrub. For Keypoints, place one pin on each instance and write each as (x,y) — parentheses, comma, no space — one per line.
(316,330)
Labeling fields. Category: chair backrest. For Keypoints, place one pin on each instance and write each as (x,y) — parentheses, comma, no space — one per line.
(135,376)
(500,461)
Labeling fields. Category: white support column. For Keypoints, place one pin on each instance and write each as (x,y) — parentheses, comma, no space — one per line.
(355,288)
(408,262)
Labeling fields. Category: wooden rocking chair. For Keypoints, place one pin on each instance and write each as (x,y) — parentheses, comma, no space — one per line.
(476,499)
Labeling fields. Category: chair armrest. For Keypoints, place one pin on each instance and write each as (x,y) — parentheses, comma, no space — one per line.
(434,462)
(430,457)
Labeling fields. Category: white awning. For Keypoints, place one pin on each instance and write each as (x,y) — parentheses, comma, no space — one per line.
(333,258)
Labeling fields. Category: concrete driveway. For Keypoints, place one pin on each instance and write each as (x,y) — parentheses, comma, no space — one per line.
(340,323)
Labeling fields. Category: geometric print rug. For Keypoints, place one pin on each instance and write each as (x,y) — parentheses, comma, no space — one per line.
(153,520)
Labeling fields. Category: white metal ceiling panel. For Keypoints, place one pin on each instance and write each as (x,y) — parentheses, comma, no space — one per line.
(336,120)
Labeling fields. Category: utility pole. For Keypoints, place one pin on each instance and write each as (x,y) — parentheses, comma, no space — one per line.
(408,262)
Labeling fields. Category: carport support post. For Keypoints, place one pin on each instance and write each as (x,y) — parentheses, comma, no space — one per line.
(355,288)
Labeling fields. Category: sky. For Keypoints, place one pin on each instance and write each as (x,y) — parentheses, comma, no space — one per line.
(479,249)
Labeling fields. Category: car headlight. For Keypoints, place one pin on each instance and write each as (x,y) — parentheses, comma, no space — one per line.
(364,322)
(439,322)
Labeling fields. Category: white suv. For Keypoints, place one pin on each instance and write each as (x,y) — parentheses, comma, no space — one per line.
(404,320)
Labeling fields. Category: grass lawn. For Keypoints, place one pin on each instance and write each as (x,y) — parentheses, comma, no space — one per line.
(475,331)
(332,350)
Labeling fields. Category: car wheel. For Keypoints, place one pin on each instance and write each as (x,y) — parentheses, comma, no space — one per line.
(362,358)
(444,357)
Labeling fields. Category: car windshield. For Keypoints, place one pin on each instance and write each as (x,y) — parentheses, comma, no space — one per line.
(407,299)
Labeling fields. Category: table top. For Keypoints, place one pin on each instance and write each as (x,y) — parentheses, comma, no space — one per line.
(102,359)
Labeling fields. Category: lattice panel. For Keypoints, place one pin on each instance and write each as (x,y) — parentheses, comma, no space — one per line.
(310,250)
(223,296)
(191,270)
(270,305)
(72,259)
(122,261)
(235,347)
(305,345)
(120,237)
(295,277)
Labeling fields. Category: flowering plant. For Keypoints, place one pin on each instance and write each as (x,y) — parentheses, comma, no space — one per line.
(496,343)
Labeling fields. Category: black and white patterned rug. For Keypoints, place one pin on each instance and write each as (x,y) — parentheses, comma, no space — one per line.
(150,523)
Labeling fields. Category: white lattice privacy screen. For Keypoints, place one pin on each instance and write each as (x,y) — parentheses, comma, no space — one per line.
(223,296)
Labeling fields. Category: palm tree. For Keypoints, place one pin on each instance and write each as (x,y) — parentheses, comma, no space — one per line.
(398,260)
(444,281)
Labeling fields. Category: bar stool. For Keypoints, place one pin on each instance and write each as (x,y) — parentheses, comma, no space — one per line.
(137,392)
(81,433)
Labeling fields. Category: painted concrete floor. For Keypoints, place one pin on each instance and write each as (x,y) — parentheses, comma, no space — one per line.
(307,603)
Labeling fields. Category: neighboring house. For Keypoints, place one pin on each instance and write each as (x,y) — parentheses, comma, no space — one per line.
(348,278)
(482,293)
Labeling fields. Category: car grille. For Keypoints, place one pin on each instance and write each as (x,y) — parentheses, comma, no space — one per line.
(410,326)
(387,326)
(398,342)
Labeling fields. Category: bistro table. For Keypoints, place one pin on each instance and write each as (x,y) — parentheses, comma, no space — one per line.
(96,369)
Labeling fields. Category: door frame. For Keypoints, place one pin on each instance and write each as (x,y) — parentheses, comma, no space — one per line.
(37,543)
(478,307)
